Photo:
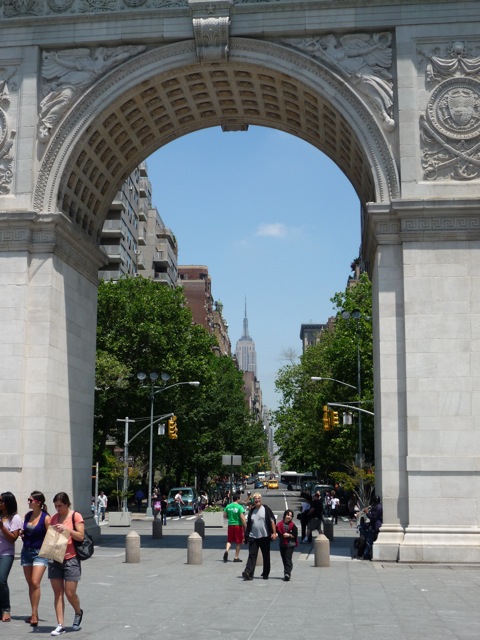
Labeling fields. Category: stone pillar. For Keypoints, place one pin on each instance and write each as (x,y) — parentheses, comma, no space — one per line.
(48,292)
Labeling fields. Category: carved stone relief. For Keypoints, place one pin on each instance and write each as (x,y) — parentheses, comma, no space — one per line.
(364,60)
(450,126)
(69,72)
(7,135)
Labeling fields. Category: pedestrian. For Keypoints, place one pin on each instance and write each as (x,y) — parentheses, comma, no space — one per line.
(315,516)
(248,504)
(375,515)
(288,540)
(235,514)
(10,528)
(305,515)
(353,509)
(335,507)
(64,576)
(102,502)
(35,527)
(203,501)
(156,505)
(179,501)
(260,531)
(163,506)
(139,496)
(328,504)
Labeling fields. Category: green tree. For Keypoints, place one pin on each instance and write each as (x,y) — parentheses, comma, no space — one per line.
(145,326)
(302,441)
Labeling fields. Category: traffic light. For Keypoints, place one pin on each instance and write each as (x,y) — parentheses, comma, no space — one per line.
(172,428)
(335,422)
(326,419)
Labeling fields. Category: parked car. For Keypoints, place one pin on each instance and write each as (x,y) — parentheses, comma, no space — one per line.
(189,497)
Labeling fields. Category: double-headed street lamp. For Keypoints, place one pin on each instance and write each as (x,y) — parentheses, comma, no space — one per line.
(153,392)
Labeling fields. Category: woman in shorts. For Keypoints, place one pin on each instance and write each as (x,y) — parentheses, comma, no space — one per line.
(65,575)
(10,528)
(35,527)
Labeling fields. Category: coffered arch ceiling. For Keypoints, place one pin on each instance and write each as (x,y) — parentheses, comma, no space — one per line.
(166,93)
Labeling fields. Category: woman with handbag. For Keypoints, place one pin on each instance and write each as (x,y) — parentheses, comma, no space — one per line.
(35,527)
(288,539)
(10,527)
(64,576)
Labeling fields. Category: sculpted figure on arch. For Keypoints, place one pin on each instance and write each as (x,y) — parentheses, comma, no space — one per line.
(365,59)
(69,72)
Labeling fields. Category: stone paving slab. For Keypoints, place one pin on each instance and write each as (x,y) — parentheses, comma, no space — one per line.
(164,597)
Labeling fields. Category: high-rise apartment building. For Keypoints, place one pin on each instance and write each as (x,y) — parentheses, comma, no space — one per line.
(134,236)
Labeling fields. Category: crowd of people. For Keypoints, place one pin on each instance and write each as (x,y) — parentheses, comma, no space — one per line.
(32,530)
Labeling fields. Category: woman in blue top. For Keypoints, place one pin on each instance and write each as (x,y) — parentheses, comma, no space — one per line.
(34,530)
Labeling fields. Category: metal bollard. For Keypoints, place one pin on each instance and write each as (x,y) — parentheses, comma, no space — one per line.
(157,531)
(322,551)
(199,526)
(194,549)
(132,547)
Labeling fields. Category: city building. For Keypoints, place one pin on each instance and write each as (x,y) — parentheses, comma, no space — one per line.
(134,236)
(197,287)
(245,349)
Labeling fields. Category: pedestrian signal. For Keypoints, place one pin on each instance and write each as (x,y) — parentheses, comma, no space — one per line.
(172,428)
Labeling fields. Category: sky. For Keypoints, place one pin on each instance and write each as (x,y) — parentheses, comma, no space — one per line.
(274,220)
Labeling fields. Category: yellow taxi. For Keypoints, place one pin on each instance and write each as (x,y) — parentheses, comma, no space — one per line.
(273,484)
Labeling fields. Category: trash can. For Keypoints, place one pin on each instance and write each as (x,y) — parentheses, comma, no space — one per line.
(328,528)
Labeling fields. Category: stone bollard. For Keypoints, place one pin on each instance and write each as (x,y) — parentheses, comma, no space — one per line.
(322,551)
(157,531)
(132,547)
(194,549)
(328,528)
(199,526)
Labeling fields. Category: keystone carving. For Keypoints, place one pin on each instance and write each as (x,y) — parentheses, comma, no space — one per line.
(450,127)
(68,73)
(212,38)
(364,60)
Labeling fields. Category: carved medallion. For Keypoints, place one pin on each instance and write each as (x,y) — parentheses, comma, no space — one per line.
(454,108)
(134,3)
(60,5)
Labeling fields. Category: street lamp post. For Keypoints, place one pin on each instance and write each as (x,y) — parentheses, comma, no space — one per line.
(317,379)
(153,392)
(356,315)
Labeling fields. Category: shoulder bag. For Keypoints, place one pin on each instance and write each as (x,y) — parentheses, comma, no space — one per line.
(84,549)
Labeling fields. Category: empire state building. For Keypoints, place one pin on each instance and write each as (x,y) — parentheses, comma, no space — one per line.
(245,350)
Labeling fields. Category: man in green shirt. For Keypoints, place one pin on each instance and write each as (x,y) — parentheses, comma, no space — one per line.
(235,513)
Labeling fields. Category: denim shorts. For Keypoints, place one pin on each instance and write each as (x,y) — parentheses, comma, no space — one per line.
(29,557)
(70,570)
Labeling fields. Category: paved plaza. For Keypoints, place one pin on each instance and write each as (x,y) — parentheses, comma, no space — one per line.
(163,597)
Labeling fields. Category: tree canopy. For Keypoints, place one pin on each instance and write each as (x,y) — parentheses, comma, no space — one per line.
(144,326)
(302,441)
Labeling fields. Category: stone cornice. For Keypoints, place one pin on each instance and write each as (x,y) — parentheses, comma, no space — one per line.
(39,12)
(430,221)
(51,233)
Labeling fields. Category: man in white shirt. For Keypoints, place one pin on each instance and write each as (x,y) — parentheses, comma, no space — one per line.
(102,502)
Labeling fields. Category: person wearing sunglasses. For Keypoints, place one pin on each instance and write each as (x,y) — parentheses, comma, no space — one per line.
(261,530)
(10,527)
(35,527)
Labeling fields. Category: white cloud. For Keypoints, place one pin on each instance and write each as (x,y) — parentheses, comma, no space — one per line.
(272,230)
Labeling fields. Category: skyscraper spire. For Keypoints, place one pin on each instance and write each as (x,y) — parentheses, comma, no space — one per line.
(245,350)
(245,323)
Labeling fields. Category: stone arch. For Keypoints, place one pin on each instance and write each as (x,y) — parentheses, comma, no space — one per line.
(166,93)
